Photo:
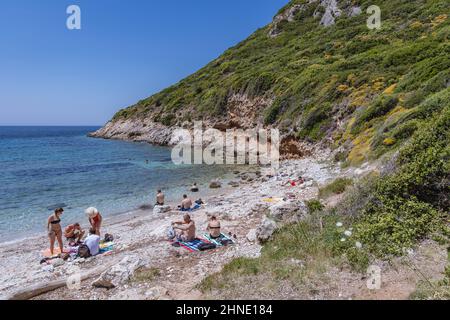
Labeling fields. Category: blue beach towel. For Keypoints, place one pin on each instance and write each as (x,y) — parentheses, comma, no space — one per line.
(217,241)
(195,207)
(192,245)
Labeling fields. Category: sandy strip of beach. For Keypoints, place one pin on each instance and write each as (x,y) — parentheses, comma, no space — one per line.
(140,239)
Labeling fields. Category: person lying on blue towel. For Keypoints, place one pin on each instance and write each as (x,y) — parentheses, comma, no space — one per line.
(186,204)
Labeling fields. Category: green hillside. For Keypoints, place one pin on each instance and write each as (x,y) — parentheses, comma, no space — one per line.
(366,89)
(367,94)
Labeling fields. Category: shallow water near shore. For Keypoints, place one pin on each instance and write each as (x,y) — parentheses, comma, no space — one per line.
(48,167)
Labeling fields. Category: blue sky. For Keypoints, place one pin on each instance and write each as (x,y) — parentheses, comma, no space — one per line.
(125,51)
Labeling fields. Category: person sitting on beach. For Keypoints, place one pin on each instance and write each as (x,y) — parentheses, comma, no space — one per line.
(185,230)
(214,228)
(95,219)
(194,187)
(160,198)
(92,241)
(74,233)
(186,204)
(54,230)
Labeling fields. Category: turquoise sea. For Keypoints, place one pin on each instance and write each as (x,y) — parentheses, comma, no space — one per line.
(46,167)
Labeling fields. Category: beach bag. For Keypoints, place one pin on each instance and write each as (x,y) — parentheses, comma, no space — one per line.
(109,237)
(83,251)
(170,233)
(65,256)
(226,242)
(206,246)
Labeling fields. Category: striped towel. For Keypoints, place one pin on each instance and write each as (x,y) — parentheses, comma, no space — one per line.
(217,241)
(192,245)
(106,247)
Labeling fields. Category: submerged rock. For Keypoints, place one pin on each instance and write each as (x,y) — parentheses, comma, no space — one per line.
(145,207)
(215,184)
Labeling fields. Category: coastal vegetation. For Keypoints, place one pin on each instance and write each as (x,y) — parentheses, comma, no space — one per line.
(369,95)
(380,84)
(382,217)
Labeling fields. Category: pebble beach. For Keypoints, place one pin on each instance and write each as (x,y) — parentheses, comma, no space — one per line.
(245,206)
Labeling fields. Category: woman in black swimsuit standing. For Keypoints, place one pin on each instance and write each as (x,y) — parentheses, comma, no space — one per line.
(55,230)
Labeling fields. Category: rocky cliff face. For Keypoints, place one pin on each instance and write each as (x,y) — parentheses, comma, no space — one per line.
(243,111)
(325,10)
(319,74)
(136,130)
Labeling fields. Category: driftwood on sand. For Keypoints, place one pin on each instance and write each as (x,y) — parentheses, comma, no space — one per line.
(41,288)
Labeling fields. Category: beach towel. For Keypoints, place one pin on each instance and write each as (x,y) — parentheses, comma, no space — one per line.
(195,207)
(46,253)
(218,241)
(106,247)
(193,245)
(272,200)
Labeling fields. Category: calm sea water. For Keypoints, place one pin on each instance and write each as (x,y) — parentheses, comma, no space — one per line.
(46,167)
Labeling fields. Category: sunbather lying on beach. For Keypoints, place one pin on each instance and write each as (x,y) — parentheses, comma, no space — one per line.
(185,230)
(95,219)
(54,229)
(160,198)
(214,228)
(294,182)
(74,233)
(186,204)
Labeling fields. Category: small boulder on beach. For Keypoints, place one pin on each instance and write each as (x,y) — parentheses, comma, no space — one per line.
(102,283)
(265,230)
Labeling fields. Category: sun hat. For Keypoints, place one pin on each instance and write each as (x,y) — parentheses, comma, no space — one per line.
(91,212)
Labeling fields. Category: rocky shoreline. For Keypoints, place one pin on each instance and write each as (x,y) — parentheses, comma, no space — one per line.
(141,242)
(136,130)
(144,265)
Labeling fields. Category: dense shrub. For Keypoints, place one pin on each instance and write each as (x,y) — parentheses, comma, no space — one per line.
(338,186)
(409,204)
(379,108)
